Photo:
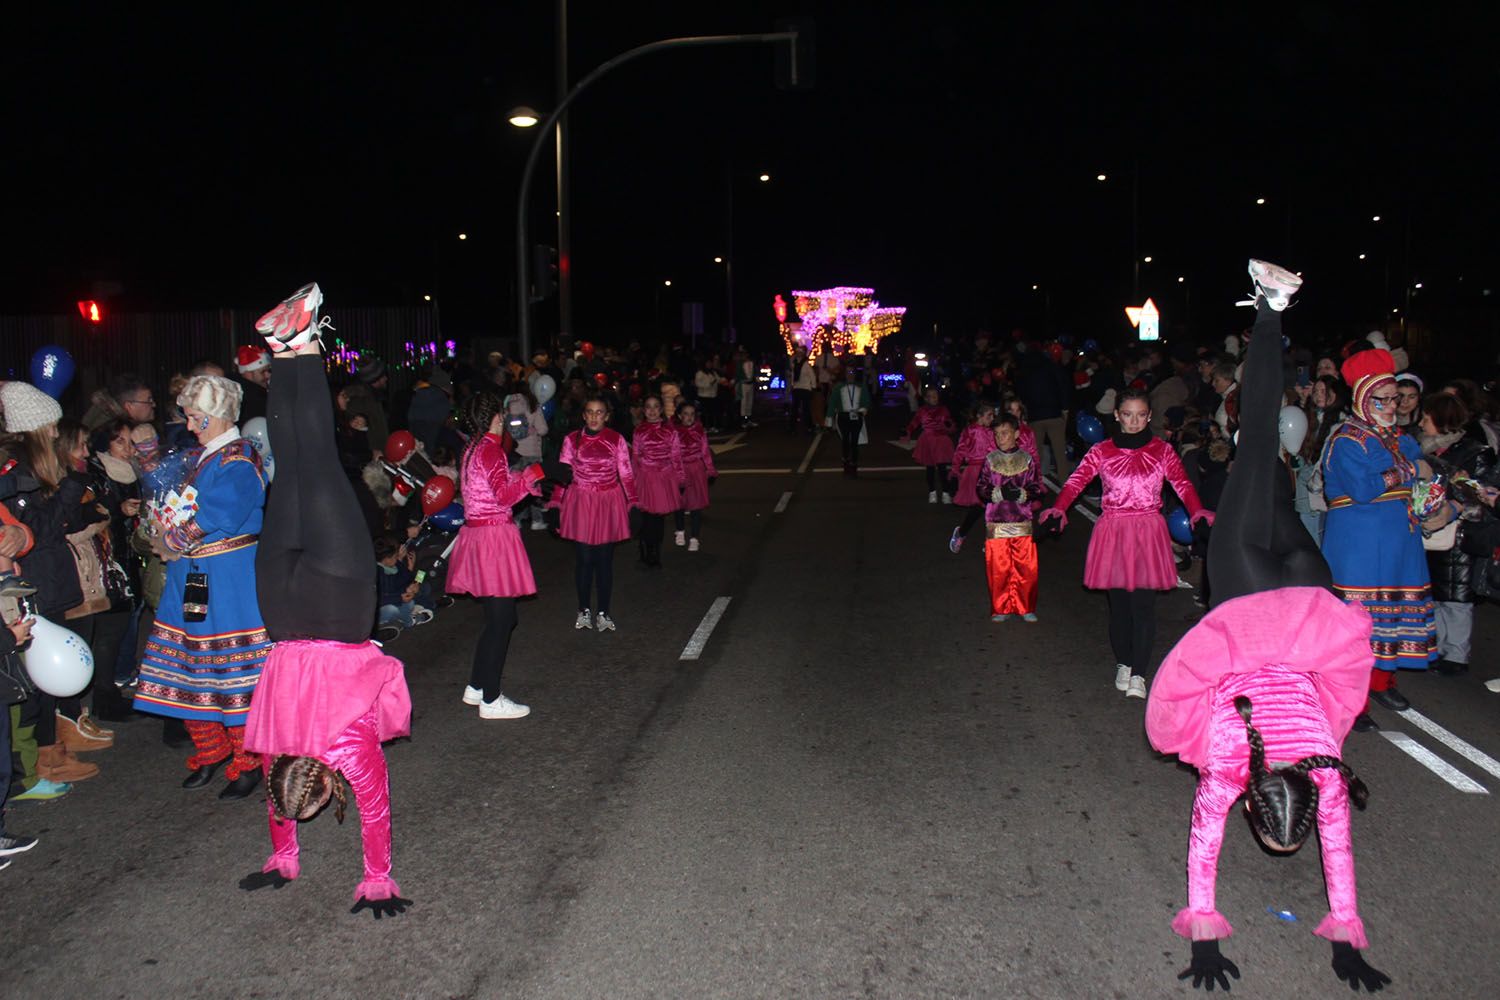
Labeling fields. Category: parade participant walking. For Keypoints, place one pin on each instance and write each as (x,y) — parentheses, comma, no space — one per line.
(489,560)
(698,472)
(595,510)
(656,449)
(1009,480)
(328,697)
(974,445)
(1130,553)
(208,642)
(934,448)
(850,408)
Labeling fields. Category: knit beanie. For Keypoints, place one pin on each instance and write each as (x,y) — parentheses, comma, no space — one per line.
(27,408)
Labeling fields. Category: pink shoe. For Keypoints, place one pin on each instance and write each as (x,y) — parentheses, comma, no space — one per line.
(294,323)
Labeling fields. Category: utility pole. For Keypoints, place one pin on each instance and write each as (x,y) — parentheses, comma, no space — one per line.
(564,209)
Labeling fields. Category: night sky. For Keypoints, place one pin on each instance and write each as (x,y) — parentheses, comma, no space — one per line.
(224,154)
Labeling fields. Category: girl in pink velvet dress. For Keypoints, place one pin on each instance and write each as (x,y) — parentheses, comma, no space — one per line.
(596,509)
(1130,552)
(977,441)
(489,559)
(698,471)
(935,445)
(656,450)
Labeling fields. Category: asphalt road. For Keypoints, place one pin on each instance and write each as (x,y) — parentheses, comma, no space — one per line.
(861,788)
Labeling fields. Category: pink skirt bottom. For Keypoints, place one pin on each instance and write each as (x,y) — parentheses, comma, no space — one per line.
(490,561)
(658,489)
(967,480)
(695,496)
(933,449)
(595,517)
(311,690)
(1130,551)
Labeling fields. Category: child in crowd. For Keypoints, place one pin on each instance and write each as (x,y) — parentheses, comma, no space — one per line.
(398,589)
(934,448)
(698,472)
(976,442)
(1009,481)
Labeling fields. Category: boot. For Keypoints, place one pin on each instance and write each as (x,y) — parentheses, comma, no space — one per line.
(55,764)
(83,734)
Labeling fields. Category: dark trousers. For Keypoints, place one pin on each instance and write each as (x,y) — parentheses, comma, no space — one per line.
(694,520)
(850,425)
(1132,627)
(493,645)
(104,632)
(7,770)
(801,409)
(594,566)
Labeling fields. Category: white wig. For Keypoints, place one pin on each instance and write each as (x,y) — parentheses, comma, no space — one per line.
(212,394)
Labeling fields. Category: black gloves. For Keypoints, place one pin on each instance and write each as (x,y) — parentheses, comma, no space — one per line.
(393,906)
(1012,493)
(1208,967)
(1351,968)
(259,880)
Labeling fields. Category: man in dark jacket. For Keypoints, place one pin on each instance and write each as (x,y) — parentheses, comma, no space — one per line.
(366,398)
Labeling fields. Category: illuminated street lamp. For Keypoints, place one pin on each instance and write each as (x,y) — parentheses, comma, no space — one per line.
(1101,177)
(1146,259)
(463,236)
(1374,218)
(764,178)
(1260,201)
(524,117)
(667,283)
(718,260)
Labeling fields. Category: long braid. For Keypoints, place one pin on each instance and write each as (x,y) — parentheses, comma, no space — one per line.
(1253,788)
(1359,793)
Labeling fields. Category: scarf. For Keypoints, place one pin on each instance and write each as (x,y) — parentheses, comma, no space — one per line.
(1131,441)
(118,469)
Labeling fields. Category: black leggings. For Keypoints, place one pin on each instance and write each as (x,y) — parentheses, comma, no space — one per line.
(653,527)
(1132,627)
(493,645)
(594,564)
(971,517)
(694,521)
(315,567)
(937,478)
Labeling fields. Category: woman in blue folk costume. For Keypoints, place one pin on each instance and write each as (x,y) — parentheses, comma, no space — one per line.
(1371,538)
(208,645)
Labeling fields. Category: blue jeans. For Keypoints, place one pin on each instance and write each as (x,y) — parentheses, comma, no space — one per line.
(396,614)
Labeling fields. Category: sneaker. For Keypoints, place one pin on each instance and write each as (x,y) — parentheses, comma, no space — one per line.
(44,791)
(4,864)
(932,497)
(947,498)
(1493,685)
(1275,284)
(1122,677)
(420,615)
(15,845)
(1029,616)
(604,623)
(1137,688)
(473,695)
(955,542)
(999,618)
(538,525)
(502,708)
(584,620)
(13,586)
(294,322)
(692,545)
(680,537)
(443,601)
(387,632)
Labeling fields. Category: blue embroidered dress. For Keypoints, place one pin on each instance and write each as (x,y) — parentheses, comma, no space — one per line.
(206,671)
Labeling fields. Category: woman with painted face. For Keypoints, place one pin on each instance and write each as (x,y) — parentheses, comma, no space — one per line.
(595,509)
(1130,552)
(656,452)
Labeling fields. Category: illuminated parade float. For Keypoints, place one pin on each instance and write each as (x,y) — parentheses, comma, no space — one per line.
(847,320)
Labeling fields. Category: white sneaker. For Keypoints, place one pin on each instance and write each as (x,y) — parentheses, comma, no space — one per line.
(1029,616)
(680,537)
(947,498)
(1122,677)
(538,525)
(1137,687)
(473,695)
(604,623)
(932,497)
(294,322)
(502,708)
(692,545)
(1273,283)
(584,620)
(420,615)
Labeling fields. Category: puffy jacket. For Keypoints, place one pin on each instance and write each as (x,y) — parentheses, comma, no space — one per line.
(1457,575)
(49,565)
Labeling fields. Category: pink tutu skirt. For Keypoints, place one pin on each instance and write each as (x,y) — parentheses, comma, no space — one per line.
(1130,551)
(595,517)
(311,690)
(933,449)
(695,496)
(658,489)
(490,561)
(967,480)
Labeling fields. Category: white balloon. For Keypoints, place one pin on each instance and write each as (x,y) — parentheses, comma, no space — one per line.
(544,388)
(58,661)
(259,434)
(1292,426)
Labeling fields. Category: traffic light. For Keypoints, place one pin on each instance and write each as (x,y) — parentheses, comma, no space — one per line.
(90,311)
(543,272)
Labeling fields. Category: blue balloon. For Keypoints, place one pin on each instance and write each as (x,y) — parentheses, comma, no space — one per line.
(1089,428)
(549,409)
(450,518)
(1091,346)
(1180,526)
(52,370)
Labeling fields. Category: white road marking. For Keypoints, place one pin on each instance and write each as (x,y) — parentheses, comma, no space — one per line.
(1434,763)
(705,628)
(878,468)
(786,498)
(755,472)
(812,447)
(904,445)
(1464,749)
(727,446)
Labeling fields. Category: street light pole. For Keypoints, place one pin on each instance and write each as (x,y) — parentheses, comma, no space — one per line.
(564,234)
(523,270)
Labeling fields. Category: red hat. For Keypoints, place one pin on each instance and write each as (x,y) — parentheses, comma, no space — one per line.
(252,359)
(1366,363)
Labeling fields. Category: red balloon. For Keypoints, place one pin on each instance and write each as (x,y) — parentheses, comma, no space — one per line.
(587,350)
(1055,352)
(601,379)
(399,445)
(437,494)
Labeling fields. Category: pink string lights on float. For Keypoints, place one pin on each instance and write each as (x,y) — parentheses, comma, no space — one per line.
(848,320)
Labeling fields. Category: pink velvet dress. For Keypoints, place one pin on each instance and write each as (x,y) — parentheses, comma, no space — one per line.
(974,444)
(1130,548)
(489,559)
(697,466)
(1303,658)
(595,508)
(657,453)
(935,425)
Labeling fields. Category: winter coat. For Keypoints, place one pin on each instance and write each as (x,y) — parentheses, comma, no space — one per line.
(49,565)
(1454,570)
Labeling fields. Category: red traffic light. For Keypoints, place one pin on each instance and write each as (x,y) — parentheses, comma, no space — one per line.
(89,310)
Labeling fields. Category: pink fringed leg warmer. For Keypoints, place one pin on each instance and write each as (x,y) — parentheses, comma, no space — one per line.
(357,755)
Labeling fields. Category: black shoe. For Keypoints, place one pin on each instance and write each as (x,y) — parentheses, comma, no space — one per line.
(443,601)
(1390,698)
(174,734)
(1364,724)
(203,775)
(1448,668)
(242,786)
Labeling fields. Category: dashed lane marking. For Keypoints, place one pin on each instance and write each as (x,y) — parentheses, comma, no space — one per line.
(811,449)
(705,628)
(1461,747)
(786,498)
(1433,762)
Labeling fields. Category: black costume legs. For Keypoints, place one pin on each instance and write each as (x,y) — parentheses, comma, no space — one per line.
(1132,627)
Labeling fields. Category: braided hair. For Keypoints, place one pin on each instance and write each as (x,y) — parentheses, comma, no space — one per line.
(475,415)
(1283,804)
(301,786)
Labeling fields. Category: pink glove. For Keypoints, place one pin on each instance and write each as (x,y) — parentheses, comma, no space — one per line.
(1206,516)
(533,473)
(1052,513)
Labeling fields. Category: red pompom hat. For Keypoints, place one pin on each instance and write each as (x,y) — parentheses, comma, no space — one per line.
(1366,372)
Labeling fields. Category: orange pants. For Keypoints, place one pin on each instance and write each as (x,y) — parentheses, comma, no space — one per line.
(1011,566)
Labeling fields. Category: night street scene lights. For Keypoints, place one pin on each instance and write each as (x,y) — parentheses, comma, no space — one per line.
(524,117)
